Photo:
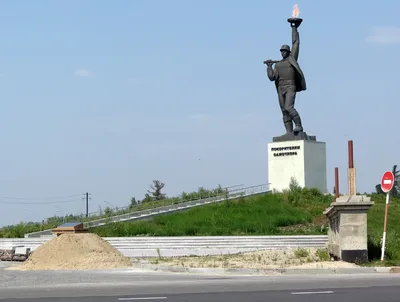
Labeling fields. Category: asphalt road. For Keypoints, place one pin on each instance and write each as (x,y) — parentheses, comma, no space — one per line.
(371,294)
(137,285)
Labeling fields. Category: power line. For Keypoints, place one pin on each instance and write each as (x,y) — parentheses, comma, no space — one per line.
(46,198)
(30,202)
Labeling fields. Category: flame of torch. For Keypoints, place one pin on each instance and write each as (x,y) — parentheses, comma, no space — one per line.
(295,11)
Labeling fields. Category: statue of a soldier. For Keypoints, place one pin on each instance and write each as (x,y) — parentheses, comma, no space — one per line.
(289,80)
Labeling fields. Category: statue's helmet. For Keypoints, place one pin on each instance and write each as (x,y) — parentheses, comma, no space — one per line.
(285,47)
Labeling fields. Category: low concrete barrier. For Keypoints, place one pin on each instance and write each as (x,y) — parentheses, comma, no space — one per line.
(186,246)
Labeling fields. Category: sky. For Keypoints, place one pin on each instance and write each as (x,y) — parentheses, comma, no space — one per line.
(106,96)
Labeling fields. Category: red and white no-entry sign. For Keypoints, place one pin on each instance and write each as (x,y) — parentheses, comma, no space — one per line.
(387,181)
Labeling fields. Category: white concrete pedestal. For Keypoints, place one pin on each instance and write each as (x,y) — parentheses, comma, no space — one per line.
(305,160)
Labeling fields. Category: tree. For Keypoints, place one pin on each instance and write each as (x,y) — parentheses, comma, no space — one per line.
(147,198)
(396,186)
(294,185)
(108,211)
(134,202)
(156,190)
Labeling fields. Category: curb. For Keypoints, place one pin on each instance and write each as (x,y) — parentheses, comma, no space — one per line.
(283,271)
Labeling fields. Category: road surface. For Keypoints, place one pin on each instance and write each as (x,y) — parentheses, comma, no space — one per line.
(370,294)
(137,285)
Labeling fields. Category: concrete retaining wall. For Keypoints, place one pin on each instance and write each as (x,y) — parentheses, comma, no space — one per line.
(186,246)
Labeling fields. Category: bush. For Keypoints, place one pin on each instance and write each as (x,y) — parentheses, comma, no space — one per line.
(301,253)
(323,255)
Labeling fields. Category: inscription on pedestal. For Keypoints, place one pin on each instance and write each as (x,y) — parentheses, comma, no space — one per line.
(285,151)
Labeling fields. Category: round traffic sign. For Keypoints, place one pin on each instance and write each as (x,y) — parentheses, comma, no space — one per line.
(387,181)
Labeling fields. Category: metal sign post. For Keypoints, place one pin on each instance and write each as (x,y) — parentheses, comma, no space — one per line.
(387,183)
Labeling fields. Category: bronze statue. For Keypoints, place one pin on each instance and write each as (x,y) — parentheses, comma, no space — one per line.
(289,79)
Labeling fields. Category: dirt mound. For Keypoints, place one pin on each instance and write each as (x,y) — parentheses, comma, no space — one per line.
(74,252)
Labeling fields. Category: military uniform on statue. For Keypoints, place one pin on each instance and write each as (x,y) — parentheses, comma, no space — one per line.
(289,79)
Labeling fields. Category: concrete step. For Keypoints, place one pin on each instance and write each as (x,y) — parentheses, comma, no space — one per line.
(151,241)
(224,248)
(183,245)
(186,246)
(216,244)
(227,240)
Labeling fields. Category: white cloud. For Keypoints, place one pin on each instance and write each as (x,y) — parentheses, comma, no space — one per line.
(384,35)
(82,72)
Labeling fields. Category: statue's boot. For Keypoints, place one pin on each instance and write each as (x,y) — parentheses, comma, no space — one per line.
(288,126)
(297,122)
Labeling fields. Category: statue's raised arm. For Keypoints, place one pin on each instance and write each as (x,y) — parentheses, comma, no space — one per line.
(295,41)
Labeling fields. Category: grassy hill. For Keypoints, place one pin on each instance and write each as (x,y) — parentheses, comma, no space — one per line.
(296,212)
(263,214)
(19,230)
(375,230)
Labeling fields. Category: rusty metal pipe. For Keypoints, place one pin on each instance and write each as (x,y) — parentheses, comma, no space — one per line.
(351,158)
(337,181)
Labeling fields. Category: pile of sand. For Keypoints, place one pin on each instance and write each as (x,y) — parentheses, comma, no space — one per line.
(74,252)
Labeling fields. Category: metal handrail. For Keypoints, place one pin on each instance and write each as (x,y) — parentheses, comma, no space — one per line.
(247,191)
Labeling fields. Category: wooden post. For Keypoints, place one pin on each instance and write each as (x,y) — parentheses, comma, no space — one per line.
(351,171)
(337,182)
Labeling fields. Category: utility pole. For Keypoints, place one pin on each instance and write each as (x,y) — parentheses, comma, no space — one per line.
(87,203)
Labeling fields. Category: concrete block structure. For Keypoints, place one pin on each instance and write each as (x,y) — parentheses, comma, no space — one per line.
(347,215)
(347,234)
(305,160)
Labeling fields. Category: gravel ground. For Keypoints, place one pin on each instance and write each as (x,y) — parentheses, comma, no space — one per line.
(268,259)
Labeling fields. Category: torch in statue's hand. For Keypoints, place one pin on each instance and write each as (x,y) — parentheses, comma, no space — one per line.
(295,21)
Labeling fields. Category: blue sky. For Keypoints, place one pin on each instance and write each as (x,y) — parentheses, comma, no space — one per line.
(105,96)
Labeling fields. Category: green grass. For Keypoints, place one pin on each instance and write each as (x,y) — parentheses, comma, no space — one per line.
(297,211)
(19,230)
(375,231)
(271,214)
(301,253)
(323,254)
(294,212)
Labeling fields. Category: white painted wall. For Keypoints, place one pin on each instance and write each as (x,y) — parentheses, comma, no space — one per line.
(304,160)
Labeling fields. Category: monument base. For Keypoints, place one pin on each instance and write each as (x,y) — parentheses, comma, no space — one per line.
(304,160)
(294,137)
(347,234)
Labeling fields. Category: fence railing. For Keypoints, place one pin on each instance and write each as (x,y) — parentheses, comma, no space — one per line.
(101,213)
(153,204)
(162,209)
